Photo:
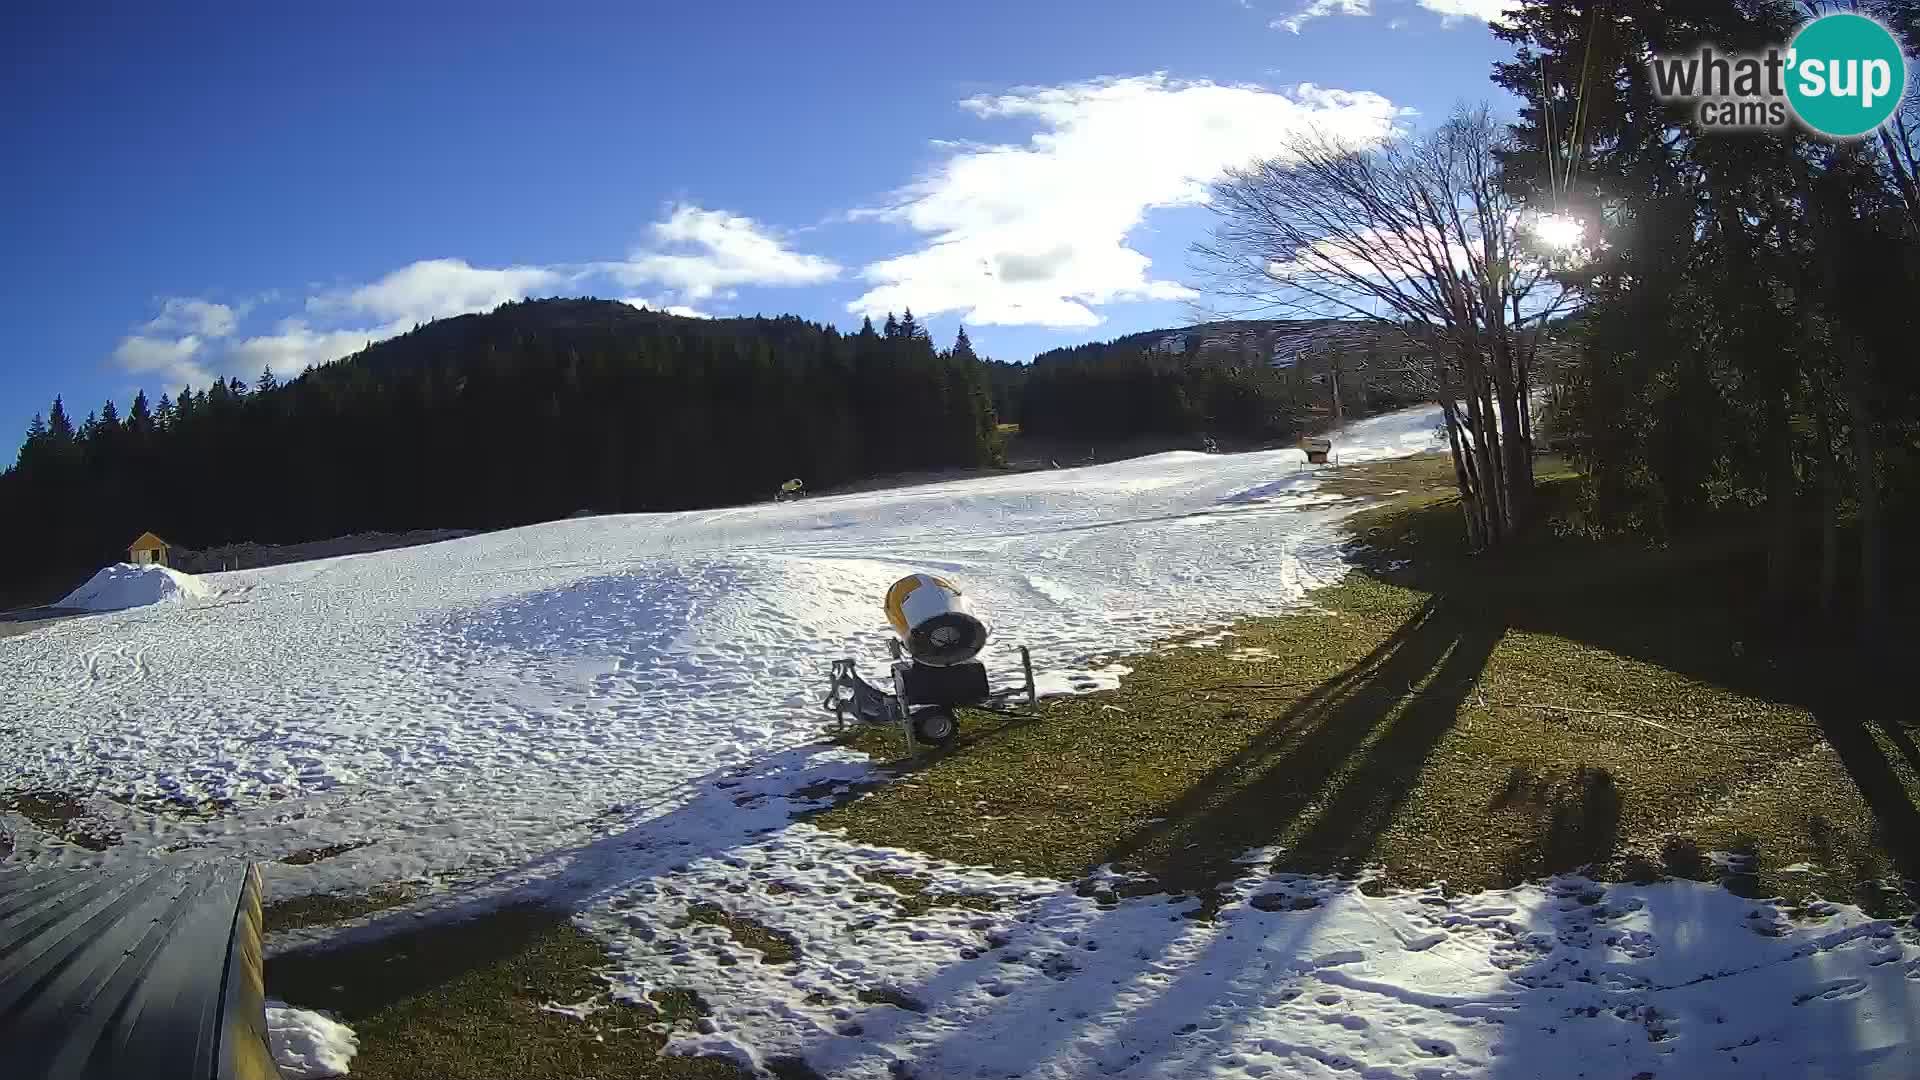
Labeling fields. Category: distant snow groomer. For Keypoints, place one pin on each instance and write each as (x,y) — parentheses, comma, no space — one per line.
(934,670)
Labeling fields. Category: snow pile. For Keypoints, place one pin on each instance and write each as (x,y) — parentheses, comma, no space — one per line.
(124,585)
(308,1045)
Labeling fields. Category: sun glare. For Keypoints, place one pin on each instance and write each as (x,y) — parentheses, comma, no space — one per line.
(1557,231)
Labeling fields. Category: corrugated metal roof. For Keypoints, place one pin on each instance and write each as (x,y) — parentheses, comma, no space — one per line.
(115,975)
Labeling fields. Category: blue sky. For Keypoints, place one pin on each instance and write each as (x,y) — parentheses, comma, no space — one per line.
(199,194)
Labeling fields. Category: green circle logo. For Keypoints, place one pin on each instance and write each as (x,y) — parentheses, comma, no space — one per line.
(1845,75)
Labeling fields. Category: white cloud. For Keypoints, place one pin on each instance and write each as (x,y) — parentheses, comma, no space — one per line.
(172,359)
(1036,233)
(670,308)
(294,345)
(185,314)
(1483,10)
(695,253)
(1316,9)
(698,252)
(416,293)
(436,288)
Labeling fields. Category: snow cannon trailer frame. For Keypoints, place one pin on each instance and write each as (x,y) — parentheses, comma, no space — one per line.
(924,696)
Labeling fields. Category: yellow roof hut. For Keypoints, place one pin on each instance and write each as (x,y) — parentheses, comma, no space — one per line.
(149,550)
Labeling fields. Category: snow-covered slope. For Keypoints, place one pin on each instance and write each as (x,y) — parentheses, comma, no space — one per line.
(622,713)
(589,661)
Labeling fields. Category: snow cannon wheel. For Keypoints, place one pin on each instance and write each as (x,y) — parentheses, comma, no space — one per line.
(936,727)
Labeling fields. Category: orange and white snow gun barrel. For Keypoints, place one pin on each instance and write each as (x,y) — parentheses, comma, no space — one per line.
(931,617)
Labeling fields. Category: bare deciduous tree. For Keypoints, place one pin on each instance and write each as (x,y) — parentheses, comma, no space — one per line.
(1416,233)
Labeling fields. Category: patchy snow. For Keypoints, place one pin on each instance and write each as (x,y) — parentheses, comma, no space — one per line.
(308,1045)
(1297,977)
(622,713)
(124,585)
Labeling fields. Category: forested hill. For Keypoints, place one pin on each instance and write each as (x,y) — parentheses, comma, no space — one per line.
(1247,382)
(1238,339)
(529,412)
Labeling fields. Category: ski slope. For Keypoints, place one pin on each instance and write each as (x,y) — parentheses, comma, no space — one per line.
(622,713)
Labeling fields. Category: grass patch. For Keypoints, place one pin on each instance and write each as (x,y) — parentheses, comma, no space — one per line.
(915,895)
(61,816)
(774,946)
(309,856)
(180,808)
(1475,720)
(465,1001)
(894,996)
(327,908)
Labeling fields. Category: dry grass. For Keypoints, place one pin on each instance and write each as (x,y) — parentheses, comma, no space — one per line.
(328,908)
(774,946)
(467,1001)
(61,816)
(1477,721)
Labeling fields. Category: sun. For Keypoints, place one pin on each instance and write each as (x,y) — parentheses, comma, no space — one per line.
(1558,231)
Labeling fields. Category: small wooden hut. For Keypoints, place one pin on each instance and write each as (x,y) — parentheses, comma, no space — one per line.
(149,550)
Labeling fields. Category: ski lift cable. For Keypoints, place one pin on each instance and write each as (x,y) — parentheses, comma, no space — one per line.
(1547,140)
(1576,137)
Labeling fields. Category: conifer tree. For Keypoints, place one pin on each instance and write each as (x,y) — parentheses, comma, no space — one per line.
(59,427)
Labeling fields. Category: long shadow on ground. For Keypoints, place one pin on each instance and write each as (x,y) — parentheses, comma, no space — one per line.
(1695,607)
(1328,774)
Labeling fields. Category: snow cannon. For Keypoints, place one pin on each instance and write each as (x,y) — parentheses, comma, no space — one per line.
(936,639)
(931,617)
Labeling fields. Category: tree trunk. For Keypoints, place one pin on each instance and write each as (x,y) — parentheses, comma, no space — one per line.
(1519,462)
(1333,378)
(1909,188)
(1873,594)
(1781,490)
(1463,476)
(1493,466)
(1475,423)
(1829,525)
(1526,419)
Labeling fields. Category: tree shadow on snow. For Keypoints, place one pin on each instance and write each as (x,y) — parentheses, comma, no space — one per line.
(485,921)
